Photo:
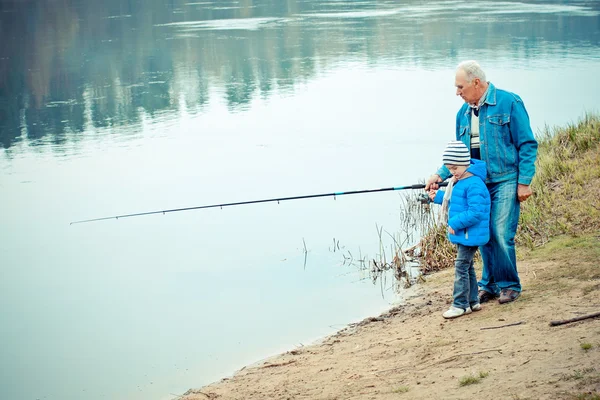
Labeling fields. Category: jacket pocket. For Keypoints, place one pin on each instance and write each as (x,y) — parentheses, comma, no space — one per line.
(501,150)
(499,119)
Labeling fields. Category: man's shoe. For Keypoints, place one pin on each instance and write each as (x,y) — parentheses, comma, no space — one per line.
(476,307)
(454,312)
(508,295)
(485,296)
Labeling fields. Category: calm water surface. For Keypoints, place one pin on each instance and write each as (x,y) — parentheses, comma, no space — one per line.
(115,107)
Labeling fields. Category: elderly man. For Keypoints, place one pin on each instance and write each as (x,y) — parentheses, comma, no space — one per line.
(494,126)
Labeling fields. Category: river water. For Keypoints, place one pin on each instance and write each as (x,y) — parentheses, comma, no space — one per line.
(118,107)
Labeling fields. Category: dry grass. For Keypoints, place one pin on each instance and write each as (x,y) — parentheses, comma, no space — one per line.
(566,185)
(566,200)
(564,211)
(433,250)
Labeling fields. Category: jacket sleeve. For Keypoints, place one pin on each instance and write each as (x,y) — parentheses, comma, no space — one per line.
(476,208)
(524,141)
(443,172)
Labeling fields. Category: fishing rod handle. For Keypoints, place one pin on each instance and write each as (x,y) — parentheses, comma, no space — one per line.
(422,185)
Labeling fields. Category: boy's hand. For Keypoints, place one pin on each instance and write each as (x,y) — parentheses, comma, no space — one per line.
(450,230)
(432,194)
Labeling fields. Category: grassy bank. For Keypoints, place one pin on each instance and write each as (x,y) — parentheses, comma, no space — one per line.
(566,184)
(566,198)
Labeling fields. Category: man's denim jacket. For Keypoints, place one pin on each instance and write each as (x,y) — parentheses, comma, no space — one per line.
(508,146)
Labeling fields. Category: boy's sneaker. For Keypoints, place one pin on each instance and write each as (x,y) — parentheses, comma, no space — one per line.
(476,307)
(454,312)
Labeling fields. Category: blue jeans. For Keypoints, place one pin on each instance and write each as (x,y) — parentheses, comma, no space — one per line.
(499,255)
(465,280)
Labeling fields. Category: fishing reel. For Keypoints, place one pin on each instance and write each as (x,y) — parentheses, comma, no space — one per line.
(424,198)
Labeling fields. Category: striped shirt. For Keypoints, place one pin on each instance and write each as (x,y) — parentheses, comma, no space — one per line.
(475,142)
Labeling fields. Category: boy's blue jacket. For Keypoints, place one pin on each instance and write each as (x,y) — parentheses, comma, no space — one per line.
(469,212)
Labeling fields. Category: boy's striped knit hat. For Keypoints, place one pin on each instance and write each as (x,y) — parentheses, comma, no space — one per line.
(456,153)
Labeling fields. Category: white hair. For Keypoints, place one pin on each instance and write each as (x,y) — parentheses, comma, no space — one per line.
(472,69)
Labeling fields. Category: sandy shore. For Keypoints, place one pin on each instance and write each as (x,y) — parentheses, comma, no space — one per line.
(505,351)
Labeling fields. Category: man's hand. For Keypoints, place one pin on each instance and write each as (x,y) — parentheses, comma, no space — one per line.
(432,182)
(523,192)
(450,230)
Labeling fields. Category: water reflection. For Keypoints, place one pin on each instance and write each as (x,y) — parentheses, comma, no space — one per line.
(72,65)
(329,95)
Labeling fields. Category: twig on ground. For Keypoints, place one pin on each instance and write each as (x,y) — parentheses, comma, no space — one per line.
(278,364)
(503,326)
(367,321)
(526,361)
(568,321)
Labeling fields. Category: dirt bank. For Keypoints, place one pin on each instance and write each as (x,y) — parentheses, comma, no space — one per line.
(413,353)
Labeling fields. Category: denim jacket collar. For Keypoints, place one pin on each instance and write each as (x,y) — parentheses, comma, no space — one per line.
(491,95)
(490,98)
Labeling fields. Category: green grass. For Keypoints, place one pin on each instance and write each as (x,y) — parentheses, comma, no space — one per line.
(586,346)
(469,380)
(578,374)
(576,259)
(585,247)
(589,289)
(472,379)
(401,389)
(587,396)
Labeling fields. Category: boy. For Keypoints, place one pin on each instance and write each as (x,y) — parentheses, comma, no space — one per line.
(468,222)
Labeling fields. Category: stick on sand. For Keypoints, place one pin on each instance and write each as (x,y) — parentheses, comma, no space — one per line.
(503,326)
(568,321)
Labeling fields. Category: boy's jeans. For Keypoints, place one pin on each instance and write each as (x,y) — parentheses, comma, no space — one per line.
(499,256)
(465,281)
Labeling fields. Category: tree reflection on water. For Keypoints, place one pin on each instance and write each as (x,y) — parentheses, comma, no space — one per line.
(69,65)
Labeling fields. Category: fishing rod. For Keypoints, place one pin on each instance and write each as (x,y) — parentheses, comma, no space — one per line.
(310,196)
